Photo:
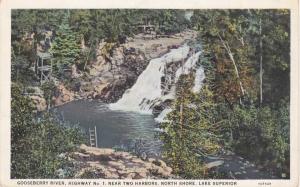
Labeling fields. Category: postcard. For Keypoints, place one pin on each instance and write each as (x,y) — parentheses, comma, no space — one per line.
(149,93)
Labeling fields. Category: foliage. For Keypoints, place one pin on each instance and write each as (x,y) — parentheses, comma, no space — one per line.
(49,90)
(264,133)
(190,133)
(232,38)
(37,142)
(65,48)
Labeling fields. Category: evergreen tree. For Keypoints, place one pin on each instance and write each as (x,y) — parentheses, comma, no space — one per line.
(65,48)
(190,134)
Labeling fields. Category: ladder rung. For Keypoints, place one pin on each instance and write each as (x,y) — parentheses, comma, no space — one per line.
(93,135)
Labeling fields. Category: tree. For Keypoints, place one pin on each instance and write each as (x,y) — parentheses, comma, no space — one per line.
(49,90)
(189,135)
(65,47)
(37,142)
(225,37)
(249,50)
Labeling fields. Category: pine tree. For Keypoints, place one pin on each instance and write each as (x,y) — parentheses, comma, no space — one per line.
(65,48)
(190,132)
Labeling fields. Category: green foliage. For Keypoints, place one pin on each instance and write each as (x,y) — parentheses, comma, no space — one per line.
(190,133)
(49,90)
(265,131)
(65,48)
(265,128)
(37,142)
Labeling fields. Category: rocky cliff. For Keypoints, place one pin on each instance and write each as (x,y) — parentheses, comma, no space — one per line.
(111,75)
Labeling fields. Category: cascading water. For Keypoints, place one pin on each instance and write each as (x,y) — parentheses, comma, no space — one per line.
(186,68)
(147,88)
(199,77)
(188,65)
(147,91)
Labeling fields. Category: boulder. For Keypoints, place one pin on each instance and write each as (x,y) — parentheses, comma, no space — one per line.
(39,102)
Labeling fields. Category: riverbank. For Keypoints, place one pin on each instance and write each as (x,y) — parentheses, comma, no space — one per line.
(106,163)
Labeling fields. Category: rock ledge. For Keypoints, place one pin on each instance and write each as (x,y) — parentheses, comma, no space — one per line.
(109,164)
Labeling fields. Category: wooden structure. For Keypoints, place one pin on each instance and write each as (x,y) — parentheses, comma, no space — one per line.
(93,137)
(43,66)
(147,29)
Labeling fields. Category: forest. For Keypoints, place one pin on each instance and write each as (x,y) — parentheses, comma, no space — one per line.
(243,105)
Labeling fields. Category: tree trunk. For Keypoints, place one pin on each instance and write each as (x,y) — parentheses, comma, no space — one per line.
(260,62)
(226,46)
(181,118)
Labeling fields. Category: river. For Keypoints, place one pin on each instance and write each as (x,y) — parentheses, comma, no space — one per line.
(115,129)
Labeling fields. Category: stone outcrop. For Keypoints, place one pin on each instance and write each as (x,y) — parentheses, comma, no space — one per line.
(109,164)
(39,102)
(63,95)
(110,77)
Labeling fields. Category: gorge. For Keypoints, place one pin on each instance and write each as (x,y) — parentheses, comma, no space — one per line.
(193,94)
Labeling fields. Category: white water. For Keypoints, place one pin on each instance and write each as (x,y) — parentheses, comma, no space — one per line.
(161,117)
(185,69)
(147,88)
(199,77)
(188,65)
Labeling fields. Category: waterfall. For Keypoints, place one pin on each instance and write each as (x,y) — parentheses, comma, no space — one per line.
(188,65)
(199,77)
(162,115)
(147,88)
(186,68)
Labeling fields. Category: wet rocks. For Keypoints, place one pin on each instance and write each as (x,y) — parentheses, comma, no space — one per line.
(109,164)
(63,95)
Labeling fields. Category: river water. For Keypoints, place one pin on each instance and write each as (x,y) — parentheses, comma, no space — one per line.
(115,129)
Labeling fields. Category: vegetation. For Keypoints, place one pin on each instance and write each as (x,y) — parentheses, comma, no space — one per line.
(86,27)
(73,37)
(243,104)
(190,132)
(38,142)
(247,81)
(65,47)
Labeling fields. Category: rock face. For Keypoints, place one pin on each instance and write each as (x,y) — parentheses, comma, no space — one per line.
(63,95)
(108,164)
(39,102)
(115,70)
(110,77)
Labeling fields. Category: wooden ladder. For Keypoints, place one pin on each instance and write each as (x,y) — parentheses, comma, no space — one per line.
(93,137)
